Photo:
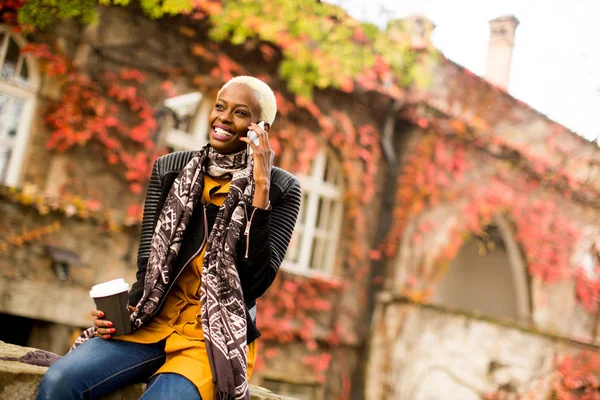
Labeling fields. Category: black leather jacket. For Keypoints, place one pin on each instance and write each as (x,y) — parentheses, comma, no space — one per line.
(270,233)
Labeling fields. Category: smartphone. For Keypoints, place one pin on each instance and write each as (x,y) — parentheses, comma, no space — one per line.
(254,137)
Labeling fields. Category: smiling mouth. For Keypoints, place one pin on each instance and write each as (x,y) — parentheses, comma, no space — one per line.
(222,134)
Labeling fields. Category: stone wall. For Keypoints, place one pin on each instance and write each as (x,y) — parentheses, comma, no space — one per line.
(103,253)
(459,93)
(29,286)
(20,381)
(426,352)
(552,306)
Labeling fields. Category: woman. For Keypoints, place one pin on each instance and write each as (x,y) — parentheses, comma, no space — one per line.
(216,225)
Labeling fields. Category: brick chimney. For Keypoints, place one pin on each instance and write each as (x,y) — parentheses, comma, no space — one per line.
(416,29)
(500,49)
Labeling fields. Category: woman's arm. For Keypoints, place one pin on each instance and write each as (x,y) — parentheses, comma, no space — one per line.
(151,204)
(267,241)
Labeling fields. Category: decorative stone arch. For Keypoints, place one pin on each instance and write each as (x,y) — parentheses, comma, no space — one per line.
(492,288)
(518,268)
(19,82)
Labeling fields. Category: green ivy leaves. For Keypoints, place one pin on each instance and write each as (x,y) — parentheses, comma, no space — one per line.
(42,13)
(322,45)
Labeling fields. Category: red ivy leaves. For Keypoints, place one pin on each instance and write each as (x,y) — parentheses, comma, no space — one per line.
(578,377)
(439,170)
(90,110)
(289,311)
(319,364)
(547,238)
(168,88)
(8,11)
(52,64)
(587,290)
(226,68)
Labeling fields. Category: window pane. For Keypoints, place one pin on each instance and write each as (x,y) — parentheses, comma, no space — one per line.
(324,214)
(4,158)
(10,115)
(183,110)
(320,217)
(24,73)
(4,105)
(182,123)
(317,258)
(14,117)
(10,61)
(319,213)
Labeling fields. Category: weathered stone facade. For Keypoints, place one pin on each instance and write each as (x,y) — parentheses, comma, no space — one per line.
(433,353)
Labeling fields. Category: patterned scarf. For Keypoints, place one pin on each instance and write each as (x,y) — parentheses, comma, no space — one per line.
(221,299)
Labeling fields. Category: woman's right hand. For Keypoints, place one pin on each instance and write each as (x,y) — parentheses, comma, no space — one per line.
(104,327)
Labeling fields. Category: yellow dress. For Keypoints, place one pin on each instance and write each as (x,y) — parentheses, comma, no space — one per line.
(185,347)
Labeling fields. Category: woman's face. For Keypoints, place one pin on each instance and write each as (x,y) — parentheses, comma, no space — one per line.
(235,109)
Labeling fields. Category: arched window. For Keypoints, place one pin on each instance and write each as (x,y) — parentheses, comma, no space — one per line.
(315,240)
(489,275)
(19,81)
(189,130)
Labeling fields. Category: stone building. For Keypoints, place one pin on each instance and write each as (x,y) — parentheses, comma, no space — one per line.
(502,309)
(382,294)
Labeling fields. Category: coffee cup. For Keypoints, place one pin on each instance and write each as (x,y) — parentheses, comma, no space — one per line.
(112,299)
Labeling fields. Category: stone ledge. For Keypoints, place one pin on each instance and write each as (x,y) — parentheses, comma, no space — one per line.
(20,381)
(389,298)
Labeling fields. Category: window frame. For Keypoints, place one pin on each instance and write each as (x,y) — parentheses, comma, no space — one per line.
(314,188)
(25,91)
(197,134)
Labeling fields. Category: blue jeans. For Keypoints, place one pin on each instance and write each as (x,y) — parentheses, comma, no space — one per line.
(99,367)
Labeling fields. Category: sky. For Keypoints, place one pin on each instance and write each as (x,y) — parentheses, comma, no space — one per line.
(556,59)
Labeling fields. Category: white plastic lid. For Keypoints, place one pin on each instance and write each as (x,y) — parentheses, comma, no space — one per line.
(109,288)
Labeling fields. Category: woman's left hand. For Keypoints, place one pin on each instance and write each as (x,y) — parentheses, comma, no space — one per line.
(263,156)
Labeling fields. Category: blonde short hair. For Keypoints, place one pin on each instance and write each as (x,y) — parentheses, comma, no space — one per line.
(264,94)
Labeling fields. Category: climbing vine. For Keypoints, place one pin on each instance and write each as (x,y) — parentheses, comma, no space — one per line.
(42,13)
(88,109)
(322,46)
(318,46)
(578,377)
(289,312)
(441,171)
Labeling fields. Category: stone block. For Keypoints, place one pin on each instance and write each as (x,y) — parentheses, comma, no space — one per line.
(20,381)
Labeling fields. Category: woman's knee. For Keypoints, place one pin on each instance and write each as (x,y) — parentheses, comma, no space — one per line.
(169,386)
(56,384)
